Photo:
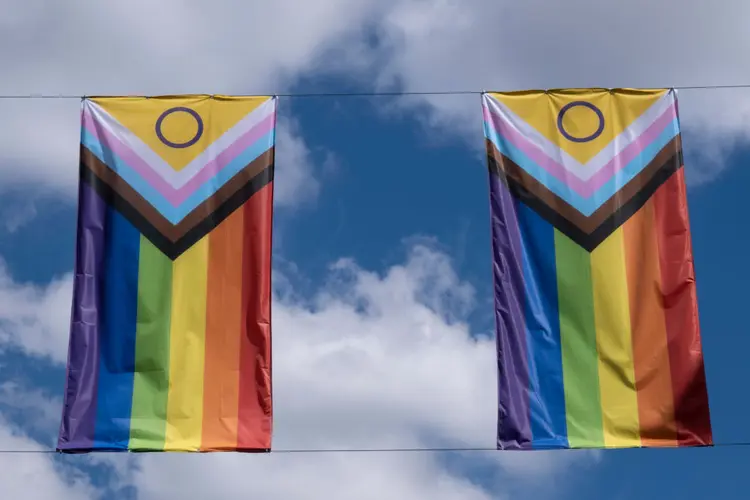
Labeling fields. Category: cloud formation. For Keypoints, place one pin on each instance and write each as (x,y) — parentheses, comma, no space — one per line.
(178,47)
(411,45)
(368,361)
(504,45)
(35,319)
(36,476)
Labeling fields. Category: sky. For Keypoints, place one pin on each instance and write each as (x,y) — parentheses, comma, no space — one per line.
(383,328)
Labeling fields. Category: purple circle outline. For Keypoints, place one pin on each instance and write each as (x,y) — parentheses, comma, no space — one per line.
(585,104)
(175,144)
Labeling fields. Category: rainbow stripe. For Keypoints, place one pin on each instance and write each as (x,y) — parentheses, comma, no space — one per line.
(597,332)
(170,344)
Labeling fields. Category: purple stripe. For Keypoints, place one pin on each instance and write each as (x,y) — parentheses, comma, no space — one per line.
(79,406)
(514,426)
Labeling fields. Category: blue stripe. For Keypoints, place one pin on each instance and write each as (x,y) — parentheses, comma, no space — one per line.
(547,394)
(153,196)
(230,170)
(586,206)
(117,337)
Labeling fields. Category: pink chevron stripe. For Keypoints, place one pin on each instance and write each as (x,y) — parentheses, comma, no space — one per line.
(534,152)
(584,188)
(631,151)
(128,155)
(209,171)
(223,159)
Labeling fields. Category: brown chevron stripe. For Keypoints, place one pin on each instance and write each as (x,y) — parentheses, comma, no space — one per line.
(173,233)
(590,224)
(109,177)
(174,249)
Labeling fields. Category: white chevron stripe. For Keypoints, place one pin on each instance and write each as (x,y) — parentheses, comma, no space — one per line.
(174,177)
(628,135)
(583,171)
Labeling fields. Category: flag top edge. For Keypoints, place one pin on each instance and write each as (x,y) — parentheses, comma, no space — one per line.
(571,91)
(167,97)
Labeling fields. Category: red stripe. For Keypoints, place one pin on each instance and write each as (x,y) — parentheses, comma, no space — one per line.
(681,313)
(255,408)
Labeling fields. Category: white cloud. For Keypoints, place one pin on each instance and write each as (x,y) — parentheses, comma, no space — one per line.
(184,46)
(36,475)
(40,413)
(174,47)
(17,215)
(294,181)
(29,420)
(54,167)
(429,45)
(340,477)
(388,346)
(35,318)
(369,361)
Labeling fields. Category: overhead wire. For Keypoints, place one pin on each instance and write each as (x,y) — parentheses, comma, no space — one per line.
(368,94)
(395,93)
(287,451)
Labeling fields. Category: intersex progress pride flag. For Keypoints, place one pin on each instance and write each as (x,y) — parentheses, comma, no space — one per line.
(170,339)
(595,300)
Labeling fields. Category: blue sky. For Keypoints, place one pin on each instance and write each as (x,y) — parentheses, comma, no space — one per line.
(382,272)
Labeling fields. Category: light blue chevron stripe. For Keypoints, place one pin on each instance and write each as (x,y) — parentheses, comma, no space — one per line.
(175,214)
(586,206)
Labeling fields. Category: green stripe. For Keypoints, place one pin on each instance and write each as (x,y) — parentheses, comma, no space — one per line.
(151,385)
(578,339)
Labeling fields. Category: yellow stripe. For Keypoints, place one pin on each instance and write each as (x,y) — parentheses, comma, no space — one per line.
(620,108)
(218,113)
(613,340)
(187,349)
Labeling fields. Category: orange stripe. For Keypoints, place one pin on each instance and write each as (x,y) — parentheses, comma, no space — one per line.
(223,331)
(649,332)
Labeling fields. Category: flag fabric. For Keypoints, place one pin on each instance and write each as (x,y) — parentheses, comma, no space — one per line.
(170,337)
(598,337)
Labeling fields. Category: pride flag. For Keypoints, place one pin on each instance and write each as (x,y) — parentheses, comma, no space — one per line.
(170,338)
(598,338)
